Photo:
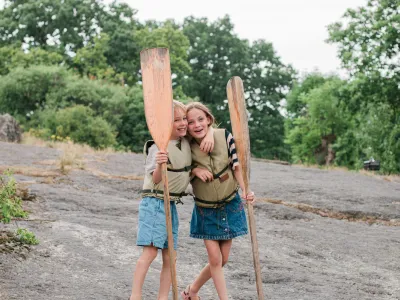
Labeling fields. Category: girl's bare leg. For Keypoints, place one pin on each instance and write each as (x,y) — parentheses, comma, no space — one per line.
(205,274)
(215,264)
(165,276)
(142,266)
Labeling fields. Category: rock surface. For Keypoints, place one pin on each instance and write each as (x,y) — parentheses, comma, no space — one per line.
(86,225)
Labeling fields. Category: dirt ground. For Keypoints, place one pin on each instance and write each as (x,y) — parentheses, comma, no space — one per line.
(322,234)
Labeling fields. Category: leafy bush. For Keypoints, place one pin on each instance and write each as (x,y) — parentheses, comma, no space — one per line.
(106,100)
(79,124)
(357,132)
(10,203)
(26,237)
(39,97)
(133,132)
(14,57)
(380,138)
(23,91)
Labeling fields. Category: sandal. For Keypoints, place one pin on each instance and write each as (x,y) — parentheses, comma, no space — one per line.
(185,294)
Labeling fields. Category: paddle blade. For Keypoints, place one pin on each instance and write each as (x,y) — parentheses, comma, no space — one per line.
(157,94)
(240,128)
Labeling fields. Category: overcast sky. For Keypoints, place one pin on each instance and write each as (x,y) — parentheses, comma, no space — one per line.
(297,29)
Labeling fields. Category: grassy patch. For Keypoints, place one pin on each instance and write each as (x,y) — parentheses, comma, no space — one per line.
(10,203)
(26,237)
(81,149)
(11,207)
(71,158)
(11,244)
(29,171)
(72,154)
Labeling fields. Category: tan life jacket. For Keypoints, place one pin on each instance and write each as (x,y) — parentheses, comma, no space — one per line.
(224,186)
(178,166)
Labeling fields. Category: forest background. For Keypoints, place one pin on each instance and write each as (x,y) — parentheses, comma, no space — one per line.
(70,70)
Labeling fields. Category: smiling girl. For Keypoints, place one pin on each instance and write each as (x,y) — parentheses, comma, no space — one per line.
(218,215)
(152,231)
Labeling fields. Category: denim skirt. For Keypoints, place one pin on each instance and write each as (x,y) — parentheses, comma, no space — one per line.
(222,223)
(152,229)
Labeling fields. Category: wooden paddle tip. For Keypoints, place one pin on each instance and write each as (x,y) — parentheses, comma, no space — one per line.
(233,79)
(147,53)
(234,83)
(154,50)
(234,86)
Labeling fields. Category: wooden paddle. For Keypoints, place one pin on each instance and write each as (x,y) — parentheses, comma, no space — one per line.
(240,128)
(157,93)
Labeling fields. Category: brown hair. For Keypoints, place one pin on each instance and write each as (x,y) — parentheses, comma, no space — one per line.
(179,105)
(203,108)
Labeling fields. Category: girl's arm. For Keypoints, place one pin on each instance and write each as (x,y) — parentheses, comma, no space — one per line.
(247,195)
(237,168)
(237,172)
(207,144)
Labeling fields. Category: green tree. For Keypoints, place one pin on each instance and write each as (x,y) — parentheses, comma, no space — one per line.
(122,55)
(92,62)
(322,120)
(64,24)
(69,25)
(13,57)
(369,47)
(297,108)
(216,54)
(294,105)
(377,137)
(369,40)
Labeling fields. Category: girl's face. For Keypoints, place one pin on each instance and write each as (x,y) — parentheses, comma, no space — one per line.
(179,127)
(198,123)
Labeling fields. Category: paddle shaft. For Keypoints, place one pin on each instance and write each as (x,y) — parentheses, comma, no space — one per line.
(254,241)
(171,252)
(256,258)
(238,113)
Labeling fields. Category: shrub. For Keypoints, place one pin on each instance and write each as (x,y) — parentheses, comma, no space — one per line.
(106,100)
(23,91)
(10,203)
(133,131)
(39,96)
(79,124)
(26,237)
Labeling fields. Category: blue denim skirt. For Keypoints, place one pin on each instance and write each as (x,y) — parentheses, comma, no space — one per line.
(152,229)
(222,223)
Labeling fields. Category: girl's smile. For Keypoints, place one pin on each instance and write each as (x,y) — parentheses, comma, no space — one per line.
(179,128)
(198,123)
